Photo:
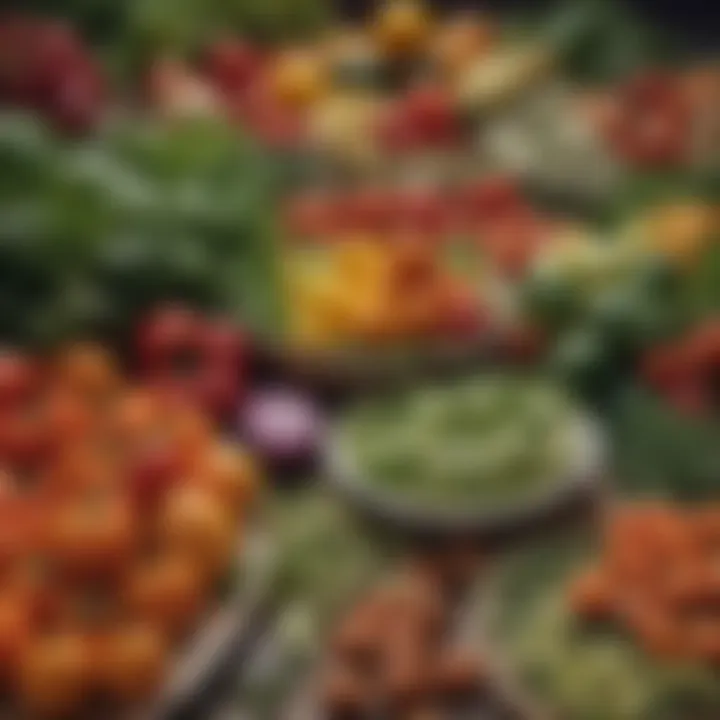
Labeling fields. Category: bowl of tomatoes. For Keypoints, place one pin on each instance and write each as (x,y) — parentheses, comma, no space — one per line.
(123,514)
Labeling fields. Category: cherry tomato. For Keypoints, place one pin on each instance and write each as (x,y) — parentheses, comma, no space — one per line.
(92,536)
(168,592)
(23,440)
(19,380)
(229,473)
(54,675)
(88,370)
(132,662)
(81,468)
(154,470)
(15,631)
(196,524)
(136,416)
(67,420)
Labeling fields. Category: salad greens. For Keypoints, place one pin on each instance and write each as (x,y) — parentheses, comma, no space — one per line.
(93,234)
(488,440)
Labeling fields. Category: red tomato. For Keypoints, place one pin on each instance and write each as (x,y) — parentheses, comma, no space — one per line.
(228,472)
(312,216)
(652,124)
(89,370)
(196,524)
(67,419)
(167,592)
(395,133)
(491,199)
(512,242)
(79,468)
(19,379)
(664,367)
(421,210)
(131,662)
(153,472)
(15,633)
(370,209)
(233,65)
(54,674)
(165,333)
(222,343)
(23,440)
(92,536)
(703,347)
(462,316)
(431,111)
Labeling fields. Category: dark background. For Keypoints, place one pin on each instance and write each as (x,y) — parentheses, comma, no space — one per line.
(697,20)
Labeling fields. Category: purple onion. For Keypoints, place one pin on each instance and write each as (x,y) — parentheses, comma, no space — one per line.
(285,429)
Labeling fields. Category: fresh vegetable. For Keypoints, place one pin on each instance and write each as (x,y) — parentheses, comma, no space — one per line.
(484,442)
(119,515)
(651,126)
(285,429)
(204,359)
(563,663)
(45,67)
(97,234)
(393,645)
(654,579)
(361,291)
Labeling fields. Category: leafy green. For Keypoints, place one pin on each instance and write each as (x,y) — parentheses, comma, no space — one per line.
(602,40)
(94,234)
(659,450)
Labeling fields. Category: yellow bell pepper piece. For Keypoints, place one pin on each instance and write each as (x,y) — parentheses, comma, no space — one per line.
(682,230)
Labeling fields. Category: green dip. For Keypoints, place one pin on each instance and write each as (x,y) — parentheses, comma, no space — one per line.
(484,441)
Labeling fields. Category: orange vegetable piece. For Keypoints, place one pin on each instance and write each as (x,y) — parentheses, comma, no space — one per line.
(591,596)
